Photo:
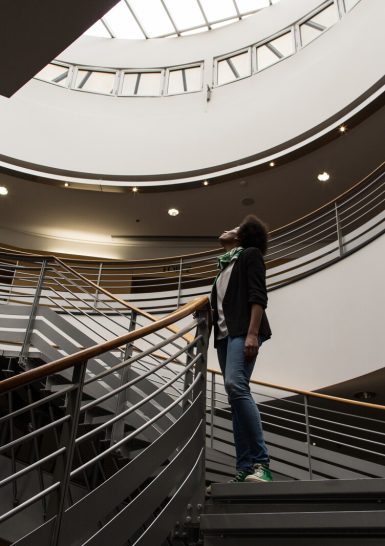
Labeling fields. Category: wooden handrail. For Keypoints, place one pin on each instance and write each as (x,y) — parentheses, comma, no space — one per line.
(329,203)
(66,362)
(213,251)
(310,393)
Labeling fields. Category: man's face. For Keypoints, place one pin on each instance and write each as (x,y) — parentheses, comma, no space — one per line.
(229,236)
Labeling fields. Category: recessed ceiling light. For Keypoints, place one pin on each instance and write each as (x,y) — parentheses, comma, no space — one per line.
(206,183)
(66,185)
(135,189)
(365,395)
(323,177)
(272,163)
(3,190)
(173,212)
(342,128)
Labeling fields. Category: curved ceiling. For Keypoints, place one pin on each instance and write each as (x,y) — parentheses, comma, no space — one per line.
(136,225)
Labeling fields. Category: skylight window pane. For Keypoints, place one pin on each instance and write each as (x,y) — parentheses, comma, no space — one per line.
(275,50)
(234,68)
(129,84)
(194,78)
(122,22)
(265,57)
(186,14)
(184,81)
(142,84)
(318,23)
(153,17)
(349,4)
(308,34)
(284,44)
(95,81)
(99,30)
(218,9)
(149,83)
(175,82)
(54,74)
(327,17)
(241,63)
(225,74)
(251,5)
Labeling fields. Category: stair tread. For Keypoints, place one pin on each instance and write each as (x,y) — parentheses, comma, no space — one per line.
(300,489)
(280,521)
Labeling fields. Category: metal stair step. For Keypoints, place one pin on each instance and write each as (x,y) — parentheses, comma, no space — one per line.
(346,523)
(306,490)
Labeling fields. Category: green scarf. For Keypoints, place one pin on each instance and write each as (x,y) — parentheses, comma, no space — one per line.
(229,256)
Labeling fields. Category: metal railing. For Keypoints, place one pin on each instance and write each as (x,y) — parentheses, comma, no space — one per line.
(298,249)
(82,462)
(310,435)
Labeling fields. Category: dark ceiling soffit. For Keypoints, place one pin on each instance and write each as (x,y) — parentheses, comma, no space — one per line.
(33,33)
(98,179)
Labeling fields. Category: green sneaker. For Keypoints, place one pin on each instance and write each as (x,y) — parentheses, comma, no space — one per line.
(240,477)
(261,473)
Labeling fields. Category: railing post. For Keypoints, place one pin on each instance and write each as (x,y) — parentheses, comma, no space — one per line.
(98,283)
(308,441)
(212,409)
(68,437)
(189,376)
(12,283)
(179,283)
(339,232)
(23,358)
(117,431)
(202,333)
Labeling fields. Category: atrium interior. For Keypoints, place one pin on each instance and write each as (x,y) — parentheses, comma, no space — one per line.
(132,134)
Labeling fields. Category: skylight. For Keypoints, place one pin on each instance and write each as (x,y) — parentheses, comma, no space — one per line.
(143,19)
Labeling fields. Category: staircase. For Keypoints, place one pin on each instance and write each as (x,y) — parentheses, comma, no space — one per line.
(343,512)
(134,469)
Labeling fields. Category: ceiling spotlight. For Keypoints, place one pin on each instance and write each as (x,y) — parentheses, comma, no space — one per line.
(206,183)
(3,190)
(272,163)
(173,212)
(323,177)
(135,189)
(365,395)
(66,185)
(342,128)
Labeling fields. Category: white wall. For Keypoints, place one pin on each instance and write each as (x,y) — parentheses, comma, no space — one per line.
(50,126)
(328,327)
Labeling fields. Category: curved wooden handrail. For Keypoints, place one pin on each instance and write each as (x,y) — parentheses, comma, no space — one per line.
(331,202)
(206,252)
(66,362)
(310,393)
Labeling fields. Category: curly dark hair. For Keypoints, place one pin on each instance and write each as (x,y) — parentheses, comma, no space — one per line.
(253,232)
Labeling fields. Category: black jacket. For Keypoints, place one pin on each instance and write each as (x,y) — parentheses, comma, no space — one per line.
(247,285)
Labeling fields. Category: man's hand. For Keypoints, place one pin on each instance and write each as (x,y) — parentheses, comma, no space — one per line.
(251,347)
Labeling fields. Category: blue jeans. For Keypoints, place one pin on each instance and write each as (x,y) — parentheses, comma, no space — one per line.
(250,445)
